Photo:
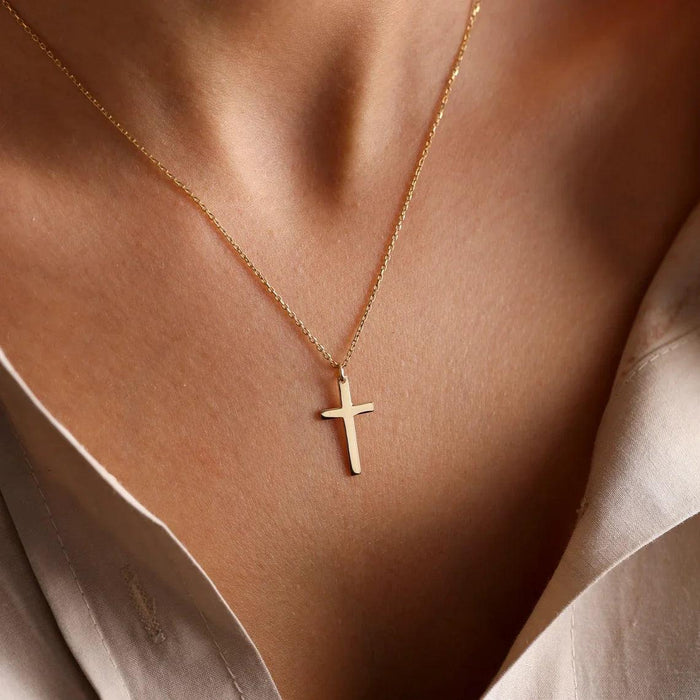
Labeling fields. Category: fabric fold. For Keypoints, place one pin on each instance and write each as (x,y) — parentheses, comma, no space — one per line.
(138,613)
(644,481)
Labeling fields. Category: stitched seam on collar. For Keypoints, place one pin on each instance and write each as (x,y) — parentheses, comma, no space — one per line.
(238,688)
(573,650)
(59,538)
(659,352)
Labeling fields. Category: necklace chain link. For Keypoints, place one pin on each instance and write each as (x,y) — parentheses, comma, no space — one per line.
(187,190)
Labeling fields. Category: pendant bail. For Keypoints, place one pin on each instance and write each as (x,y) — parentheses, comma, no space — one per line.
(341,372)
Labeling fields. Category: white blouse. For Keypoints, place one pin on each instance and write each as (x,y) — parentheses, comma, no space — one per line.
(98,598)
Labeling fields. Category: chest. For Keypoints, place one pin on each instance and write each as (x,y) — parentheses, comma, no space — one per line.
(488,371)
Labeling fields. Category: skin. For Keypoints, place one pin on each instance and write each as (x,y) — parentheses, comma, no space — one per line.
(566,162)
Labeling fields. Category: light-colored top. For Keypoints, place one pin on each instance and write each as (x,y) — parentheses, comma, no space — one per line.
(98,598)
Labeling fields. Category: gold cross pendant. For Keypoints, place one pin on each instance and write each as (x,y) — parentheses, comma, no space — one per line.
(348,412)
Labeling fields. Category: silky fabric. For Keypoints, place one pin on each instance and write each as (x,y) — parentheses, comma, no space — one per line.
(98,598)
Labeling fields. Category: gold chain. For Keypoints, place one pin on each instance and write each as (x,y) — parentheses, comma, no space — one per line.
(212,218)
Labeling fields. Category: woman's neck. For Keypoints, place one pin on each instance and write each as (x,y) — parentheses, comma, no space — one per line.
(323,82)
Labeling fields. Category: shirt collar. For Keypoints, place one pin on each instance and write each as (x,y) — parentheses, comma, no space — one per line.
(644,477)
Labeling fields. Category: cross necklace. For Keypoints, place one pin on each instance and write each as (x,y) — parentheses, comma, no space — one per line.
(347,411)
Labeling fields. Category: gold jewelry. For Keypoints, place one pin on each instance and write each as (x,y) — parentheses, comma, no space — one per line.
(347,411)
